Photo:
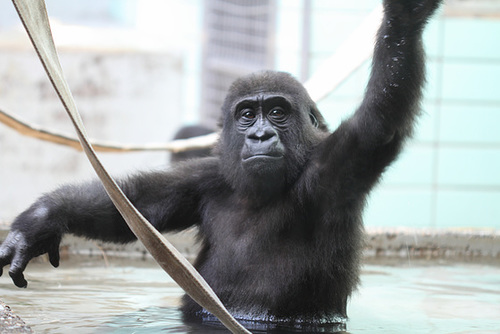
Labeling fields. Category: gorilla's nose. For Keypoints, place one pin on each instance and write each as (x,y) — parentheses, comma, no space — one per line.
(262,132)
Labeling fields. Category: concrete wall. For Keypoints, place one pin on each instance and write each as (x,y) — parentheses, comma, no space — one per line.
(124,96)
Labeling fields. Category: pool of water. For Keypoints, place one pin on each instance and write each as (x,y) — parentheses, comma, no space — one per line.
(138,297)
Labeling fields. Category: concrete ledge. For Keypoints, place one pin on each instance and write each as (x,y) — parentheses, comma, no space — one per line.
(433,243)
(380,242)
(184,241)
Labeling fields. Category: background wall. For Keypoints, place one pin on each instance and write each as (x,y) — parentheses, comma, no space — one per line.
(128,80)
(447,177)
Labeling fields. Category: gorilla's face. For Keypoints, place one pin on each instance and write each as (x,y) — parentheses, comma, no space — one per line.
(270,124)
(261,120)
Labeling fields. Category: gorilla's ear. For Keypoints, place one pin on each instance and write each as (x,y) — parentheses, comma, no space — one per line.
(314,120)
(317,119)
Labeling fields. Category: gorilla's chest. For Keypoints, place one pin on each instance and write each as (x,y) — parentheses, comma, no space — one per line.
(265,255)
(265,235)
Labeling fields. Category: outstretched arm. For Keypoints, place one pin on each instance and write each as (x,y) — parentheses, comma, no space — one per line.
(169,200)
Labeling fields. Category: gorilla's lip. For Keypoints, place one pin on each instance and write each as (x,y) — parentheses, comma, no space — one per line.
(262,156)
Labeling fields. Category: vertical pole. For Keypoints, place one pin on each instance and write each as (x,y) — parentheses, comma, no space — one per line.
(305,50)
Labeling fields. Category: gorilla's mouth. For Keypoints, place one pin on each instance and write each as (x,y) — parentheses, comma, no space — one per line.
(262,156)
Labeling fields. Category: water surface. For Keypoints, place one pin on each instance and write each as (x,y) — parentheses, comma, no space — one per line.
(138,297)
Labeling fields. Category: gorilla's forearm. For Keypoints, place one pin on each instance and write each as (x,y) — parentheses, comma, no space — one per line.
(83,210)
(86,210)
(364,145)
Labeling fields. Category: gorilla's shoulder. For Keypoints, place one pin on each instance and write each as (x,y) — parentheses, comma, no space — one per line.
(203,170)
(207,164)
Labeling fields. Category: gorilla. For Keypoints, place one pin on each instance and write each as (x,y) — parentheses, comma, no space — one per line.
(279,204)
(190,131)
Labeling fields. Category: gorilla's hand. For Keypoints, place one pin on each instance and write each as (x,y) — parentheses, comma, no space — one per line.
(410,13)
(20,247)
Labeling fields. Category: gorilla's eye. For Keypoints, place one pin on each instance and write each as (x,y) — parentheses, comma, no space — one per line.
(248,114)
(277,113)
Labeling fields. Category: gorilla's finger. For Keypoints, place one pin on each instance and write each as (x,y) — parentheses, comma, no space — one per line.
(19,263)
(18,279)
(3,263)
(5,258)
(54,257)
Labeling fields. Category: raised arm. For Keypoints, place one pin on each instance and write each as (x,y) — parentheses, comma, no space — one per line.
(169,200)
(394,90)
(356,154)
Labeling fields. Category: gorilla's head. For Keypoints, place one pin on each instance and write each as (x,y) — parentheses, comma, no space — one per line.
(269,126)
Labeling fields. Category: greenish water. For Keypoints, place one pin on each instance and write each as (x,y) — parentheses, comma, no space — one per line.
(138,297)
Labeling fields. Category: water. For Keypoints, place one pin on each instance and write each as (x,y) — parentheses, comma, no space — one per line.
(138,297)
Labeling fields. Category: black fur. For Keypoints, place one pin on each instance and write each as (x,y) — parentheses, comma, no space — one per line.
(188,132)
(279,205)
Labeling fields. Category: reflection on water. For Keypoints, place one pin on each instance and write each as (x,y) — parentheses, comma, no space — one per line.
(138,297)
(167,320)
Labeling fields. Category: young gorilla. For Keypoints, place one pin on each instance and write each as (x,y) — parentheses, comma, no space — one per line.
(279,206)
